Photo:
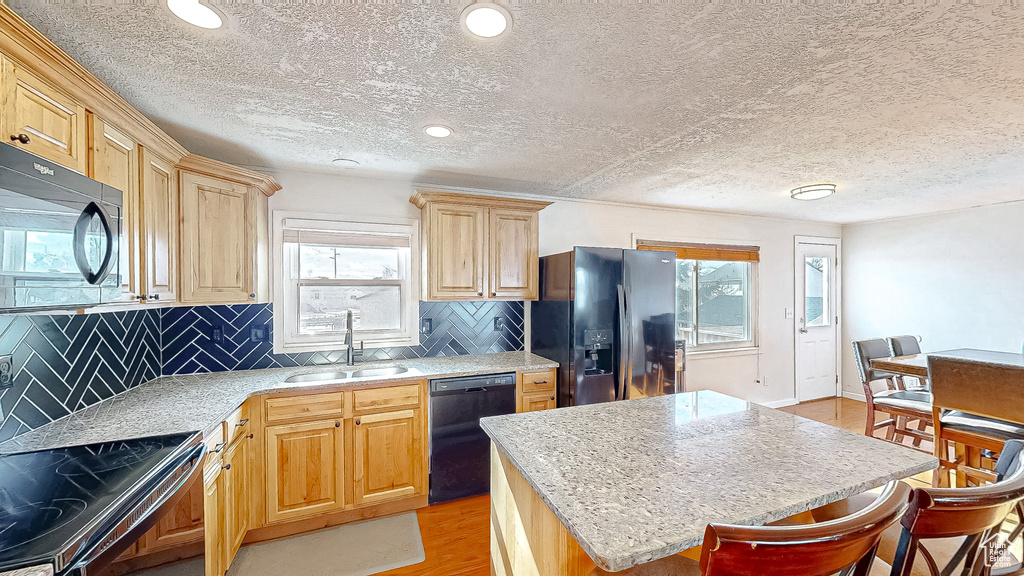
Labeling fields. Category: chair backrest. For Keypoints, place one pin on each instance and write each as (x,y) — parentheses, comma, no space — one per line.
(804,550)
(973,512)
(904,345)
(865,351)
(980,388)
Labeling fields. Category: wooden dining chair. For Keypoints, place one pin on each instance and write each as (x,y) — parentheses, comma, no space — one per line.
(842,546)
(903,406)
(977,407)
(907,345)
(947,530)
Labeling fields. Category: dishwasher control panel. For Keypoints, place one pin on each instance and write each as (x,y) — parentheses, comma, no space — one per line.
(482,381)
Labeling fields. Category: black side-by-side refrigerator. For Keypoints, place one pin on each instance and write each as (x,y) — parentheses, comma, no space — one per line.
(607,316)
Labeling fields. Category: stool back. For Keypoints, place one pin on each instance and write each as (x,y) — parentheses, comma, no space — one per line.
(867,350)
(904,345)
(804,550)
(979,388)
(975,512)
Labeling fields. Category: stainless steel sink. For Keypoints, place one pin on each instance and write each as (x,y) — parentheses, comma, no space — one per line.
(318,377)
(374,372)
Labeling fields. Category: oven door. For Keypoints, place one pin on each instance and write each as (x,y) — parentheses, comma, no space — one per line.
(58,246)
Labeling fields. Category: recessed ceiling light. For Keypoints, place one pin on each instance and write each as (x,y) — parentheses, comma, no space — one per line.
(438,131)
(194,13)
(813,192)
(345,162)
(486,19)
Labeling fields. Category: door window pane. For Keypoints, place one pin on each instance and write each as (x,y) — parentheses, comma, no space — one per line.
(722,301)
(817,308)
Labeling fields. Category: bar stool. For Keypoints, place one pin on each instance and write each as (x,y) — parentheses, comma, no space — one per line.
(902,405)
(844,545)
(976,409)
(907,345)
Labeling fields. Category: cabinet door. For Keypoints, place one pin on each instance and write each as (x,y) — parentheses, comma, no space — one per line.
(534,402)
(159,230)
(52,121)
(218,240)
(388,456)
(456,252)
(514,257)
(235,496)
(213,521)
(114,160)
(182,525)
(305,469)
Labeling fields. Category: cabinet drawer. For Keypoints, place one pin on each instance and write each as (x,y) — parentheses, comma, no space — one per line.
(305,407)
(386,398)
(534,402)
(538,382)
(237,424)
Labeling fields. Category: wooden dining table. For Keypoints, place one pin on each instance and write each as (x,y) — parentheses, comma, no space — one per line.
(914,365)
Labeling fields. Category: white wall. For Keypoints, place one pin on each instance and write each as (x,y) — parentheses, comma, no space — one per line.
(955,279)
(571,223)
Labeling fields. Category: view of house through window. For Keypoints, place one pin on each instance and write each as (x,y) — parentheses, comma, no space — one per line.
(333,269)
(714,293)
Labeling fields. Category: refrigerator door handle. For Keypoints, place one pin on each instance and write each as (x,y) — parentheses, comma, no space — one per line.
(629,343)
(620,384)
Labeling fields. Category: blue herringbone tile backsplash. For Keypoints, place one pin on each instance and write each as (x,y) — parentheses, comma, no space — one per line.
(458,328)
(66,362)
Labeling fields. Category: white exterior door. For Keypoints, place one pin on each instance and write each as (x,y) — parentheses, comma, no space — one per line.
(817,319)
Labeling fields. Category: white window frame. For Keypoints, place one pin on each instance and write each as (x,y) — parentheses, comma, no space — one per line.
(286,338)
(753,303)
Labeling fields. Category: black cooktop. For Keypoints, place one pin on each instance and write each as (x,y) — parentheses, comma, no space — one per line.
(51,501)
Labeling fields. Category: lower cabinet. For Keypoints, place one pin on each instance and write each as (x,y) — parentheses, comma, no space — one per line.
(183,525)
(212,494)
(305,469)
(536,390)
(388,456)
(235,495)
(534,402)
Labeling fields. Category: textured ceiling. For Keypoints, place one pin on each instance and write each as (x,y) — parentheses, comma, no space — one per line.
(908,108)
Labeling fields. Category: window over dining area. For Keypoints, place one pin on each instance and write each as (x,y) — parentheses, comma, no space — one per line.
(331,269)
(715,293)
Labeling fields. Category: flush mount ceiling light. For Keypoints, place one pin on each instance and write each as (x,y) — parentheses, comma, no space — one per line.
(194,13)
(486,20)
(813,192)
(345,162)
(438,131)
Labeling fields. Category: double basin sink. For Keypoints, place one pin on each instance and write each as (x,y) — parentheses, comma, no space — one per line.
(337,375)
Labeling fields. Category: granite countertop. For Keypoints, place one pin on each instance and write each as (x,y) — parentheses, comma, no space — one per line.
(45,570)
(640,480)
(199,402)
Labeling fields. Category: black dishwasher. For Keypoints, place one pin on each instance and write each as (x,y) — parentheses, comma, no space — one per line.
(459,448)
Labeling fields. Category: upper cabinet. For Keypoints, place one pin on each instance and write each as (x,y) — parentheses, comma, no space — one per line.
(41,118)
(114,160)
(223,232)
(159,228)
(478,247)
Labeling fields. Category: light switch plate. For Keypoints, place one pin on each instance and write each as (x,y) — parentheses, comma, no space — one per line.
(789,313)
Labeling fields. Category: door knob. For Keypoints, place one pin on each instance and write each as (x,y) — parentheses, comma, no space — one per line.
(23,138)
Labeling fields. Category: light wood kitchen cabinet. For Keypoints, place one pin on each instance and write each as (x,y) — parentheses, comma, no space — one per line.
(536,390)
(388,456)
(223,232)
(183,525)
(514,254)
(42,119)
(305,469)
(213,520)
(235,495)
(159,228)
(478,247)
(114,160)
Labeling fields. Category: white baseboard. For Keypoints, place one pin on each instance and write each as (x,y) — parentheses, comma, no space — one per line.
(780,403)
(853,396)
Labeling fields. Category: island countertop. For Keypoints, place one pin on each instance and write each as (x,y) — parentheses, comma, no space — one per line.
(640,480)
(198,402)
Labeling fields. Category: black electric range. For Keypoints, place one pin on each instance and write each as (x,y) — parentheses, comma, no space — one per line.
(78,508)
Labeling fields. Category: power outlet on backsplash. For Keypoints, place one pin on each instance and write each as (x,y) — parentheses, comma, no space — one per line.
(6,371)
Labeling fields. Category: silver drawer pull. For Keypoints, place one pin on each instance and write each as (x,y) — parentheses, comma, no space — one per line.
(242,423)
(219,447)
(541,382)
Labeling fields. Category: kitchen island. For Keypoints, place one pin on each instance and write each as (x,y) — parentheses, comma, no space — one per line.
(624,483)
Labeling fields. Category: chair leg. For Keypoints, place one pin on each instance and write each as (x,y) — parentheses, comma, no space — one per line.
(901,424)
(921,427)
(869,427)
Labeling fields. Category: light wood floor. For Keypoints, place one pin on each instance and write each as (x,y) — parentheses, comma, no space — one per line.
(456,535)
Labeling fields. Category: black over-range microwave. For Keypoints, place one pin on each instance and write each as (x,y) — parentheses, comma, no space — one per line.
(59,236)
